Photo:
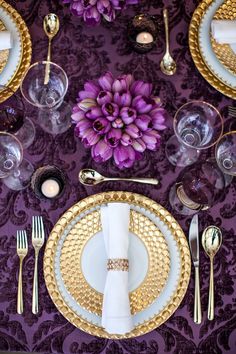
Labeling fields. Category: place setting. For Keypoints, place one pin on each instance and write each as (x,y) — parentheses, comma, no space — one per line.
(123,199)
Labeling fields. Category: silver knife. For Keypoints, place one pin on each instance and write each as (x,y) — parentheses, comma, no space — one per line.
(194,247)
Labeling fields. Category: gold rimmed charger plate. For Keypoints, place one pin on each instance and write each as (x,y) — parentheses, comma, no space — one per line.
(158,262)
(15,80)
(224,53)
(4,54)
(196,52)
(96,201)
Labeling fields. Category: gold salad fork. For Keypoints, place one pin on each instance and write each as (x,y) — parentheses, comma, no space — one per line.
(22,249)
(37,241)
(232,111)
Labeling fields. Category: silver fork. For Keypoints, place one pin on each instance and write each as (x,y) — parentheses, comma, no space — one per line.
(22,250)
(37,241)
(232,111)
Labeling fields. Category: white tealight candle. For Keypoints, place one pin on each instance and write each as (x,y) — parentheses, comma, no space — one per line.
(50,188)
(144,38)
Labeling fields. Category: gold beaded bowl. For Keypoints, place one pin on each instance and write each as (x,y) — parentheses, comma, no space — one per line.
(78,232)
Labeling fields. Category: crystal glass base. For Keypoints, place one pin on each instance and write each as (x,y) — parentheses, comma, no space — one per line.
(21,177)
(178,203)
(26,133)
(55,121)
(178,154)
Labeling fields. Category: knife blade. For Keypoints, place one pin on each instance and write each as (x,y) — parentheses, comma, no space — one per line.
(194,240)
(194,247)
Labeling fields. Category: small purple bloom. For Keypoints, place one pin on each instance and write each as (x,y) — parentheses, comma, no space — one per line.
(144,122)
(90,138)
(101,151)
(126,139)
(122,98)
(101,126)
(93,113)
(128,115)
(104,97)
(139,145)
(117,123)
(142,104)
(92,16)
(133,131)
(82,126)
(113,137)
(106,81)
(124,156)
(152,140)
(141,88)
(110,109)
(77,116)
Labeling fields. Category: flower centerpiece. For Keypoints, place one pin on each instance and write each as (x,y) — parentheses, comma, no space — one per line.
(92,11)
(118,118)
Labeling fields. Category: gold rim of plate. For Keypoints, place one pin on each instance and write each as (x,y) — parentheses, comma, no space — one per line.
(196,53)
(224,53)
(97,200)
(14,83)
(4,54)
(71,259)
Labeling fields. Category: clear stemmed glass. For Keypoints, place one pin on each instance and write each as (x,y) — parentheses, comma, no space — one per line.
(14,171)
(198,188)
(197,125)
(13,119)
(225,153)
(54,113)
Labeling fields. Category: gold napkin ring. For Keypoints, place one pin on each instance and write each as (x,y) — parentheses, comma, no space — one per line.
(118,264)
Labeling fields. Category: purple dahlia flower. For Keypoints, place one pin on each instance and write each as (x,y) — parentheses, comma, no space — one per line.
(118,117)
(92,11)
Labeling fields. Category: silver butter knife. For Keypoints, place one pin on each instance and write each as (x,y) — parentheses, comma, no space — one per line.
(194,247)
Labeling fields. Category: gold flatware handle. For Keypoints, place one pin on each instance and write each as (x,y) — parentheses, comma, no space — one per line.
(20,306)
(47,68)
(165,16)
(35,305)
(153,181)
(197,300)
(211,293)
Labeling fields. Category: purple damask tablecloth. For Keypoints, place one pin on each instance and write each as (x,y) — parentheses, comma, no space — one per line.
(86,53)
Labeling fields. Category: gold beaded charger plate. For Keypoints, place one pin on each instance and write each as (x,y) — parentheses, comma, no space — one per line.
(200,42)
(4,54)
(19,55)
(166,302)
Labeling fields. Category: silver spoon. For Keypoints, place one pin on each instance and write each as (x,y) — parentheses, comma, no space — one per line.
(168,65)
(211,242)
(91,177)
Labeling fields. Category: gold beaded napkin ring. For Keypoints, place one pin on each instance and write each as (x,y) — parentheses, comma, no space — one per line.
(118,264)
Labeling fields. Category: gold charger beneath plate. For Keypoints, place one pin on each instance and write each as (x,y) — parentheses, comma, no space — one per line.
(148,290)
(4,54)
(93,202)
(223,52)
(196,53)
(24,63)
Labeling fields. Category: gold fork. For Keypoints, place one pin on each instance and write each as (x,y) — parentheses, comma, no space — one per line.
(22,249)
(232,111)
(37,241)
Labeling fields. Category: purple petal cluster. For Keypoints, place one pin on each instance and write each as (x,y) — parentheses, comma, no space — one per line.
(118,117)
(92,11)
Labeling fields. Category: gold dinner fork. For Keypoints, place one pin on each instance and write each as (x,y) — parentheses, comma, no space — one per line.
(37,241)
(232,111)
(22,249)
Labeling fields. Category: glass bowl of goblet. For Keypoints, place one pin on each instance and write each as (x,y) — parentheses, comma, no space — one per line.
(14,120)
(225,153)
(54,113)
(197,125)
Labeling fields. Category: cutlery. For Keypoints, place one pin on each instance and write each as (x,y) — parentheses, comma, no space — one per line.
(37,241)
(168,65)
(22,249)
(232,111)
(90,177)
(194,247)
(211,242)
(51,27)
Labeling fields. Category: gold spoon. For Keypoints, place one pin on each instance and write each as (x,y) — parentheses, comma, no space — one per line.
(51,27)
(211,242)
(90,177)
(168,65)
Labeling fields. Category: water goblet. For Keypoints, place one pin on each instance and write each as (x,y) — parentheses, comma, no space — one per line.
(13,118)
(15,171)
(197,125)
(54,113)
(225,153)
(198,188)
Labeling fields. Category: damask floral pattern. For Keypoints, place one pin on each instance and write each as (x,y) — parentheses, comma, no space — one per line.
(86,54)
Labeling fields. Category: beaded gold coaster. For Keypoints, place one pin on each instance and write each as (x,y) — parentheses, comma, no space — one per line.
(4,54)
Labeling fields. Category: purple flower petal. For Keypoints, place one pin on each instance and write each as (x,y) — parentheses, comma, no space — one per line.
(123,98)
(77,116)
(91,16)
(82,126)
(143,104)
(113,137)
(110,109)
(139,145)
(101,126)
(119,85)
(86,104)
(101,151)
(104,97)
(128,115)
(124,156)
(144,122)
(152,140)
(141,88)
(133,131)
(90,138)
(106,81)
(126,139)
(94,113)
(118,123)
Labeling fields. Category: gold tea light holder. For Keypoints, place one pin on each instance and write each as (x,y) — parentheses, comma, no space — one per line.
(142,32)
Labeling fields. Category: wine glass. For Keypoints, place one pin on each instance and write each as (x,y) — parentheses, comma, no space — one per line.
(197,126)
(225,153)
(54,113)
(13,119)
(198,188)
(14,171)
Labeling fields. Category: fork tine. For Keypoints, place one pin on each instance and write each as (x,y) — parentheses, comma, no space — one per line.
(38,227)
(42,228)
(33,227)
(25,239)
(17,240)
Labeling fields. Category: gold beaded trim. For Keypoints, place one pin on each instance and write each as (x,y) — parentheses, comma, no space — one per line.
(118,264)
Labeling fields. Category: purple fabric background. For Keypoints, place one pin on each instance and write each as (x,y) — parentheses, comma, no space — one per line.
(86,53)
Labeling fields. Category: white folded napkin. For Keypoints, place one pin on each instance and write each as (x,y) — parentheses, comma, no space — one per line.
(6,40)
(116,315)
(224,31)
